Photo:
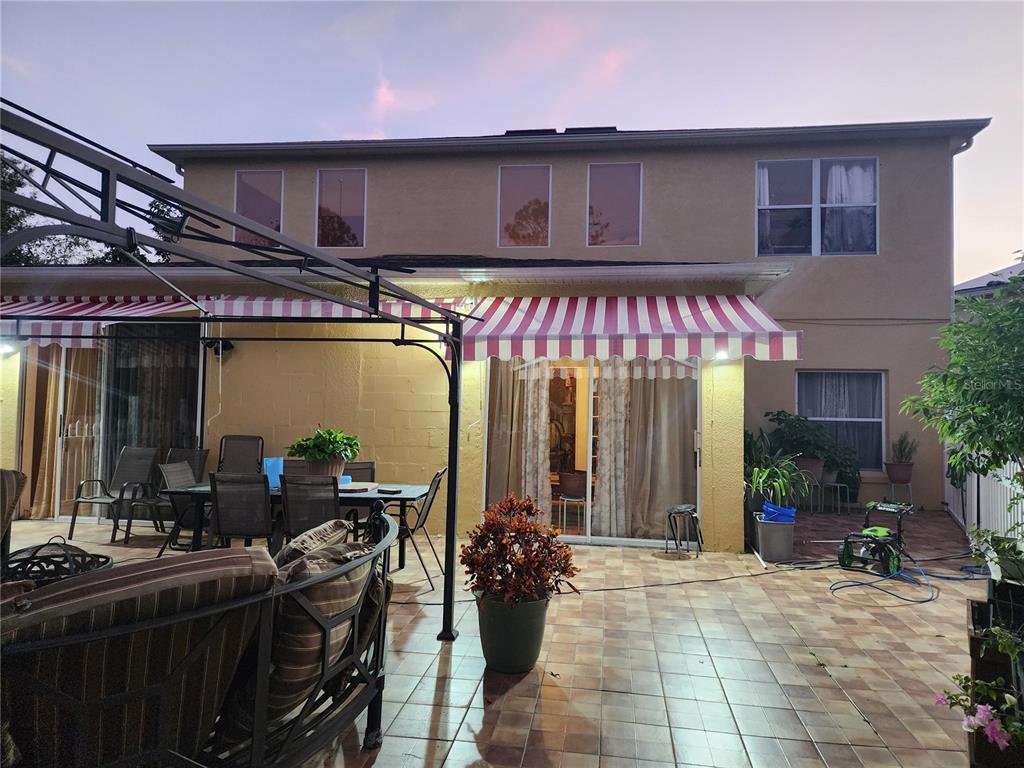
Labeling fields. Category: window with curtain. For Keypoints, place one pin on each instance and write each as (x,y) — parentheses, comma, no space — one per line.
(815,207)
(850,405)
(258,196)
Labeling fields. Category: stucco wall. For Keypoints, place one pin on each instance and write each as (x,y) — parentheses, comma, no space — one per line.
(394,399)
(721,497)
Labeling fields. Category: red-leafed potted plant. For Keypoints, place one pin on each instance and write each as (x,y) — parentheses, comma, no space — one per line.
(515,563)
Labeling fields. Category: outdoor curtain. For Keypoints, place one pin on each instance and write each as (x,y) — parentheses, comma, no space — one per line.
(645,458)
(45,457)
(518,443)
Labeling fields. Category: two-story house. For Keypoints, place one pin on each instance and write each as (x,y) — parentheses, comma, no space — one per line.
(584,256)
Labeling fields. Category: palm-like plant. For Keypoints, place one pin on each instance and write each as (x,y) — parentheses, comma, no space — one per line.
(776,477)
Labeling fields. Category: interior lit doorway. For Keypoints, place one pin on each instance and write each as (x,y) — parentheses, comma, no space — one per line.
(605,447)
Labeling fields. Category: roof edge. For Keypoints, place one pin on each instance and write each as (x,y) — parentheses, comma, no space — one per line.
(965,128)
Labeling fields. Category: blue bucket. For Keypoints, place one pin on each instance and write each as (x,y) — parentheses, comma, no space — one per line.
(773,513)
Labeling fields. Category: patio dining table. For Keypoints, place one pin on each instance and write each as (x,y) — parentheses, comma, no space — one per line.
(407,493)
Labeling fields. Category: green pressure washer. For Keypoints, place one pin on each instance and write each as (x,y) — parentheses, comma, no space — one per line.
(876,542)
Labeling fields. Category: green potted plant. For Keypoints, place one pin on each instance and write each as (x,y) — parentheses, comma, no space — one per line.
(779,480)
(514,565)
(808,442)
(843,466)
(900,466)
(326,450)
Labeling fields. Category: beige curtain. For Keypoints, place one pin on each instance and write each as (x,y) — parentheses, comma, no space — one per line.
(504,467)
(42,489)
(660,462)
(535,447)
(609,506)
(81,449)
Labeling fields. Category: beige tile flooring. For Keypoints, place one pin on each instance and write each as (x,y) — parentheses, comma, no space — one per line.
(737,666)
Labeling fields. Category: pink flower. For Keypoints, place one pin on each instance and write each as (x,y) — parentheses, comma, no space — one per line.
(941,700)
(983,714)
(970,723)
(996,735)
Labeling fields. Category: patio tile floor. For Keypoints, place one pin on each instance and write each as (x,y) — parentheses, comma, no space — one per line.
(739,667)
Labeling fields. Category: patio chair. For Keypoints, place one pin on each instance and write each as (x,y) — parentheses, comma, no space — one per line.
(132,475)
(179,475)
(309,501)
(161,507)
(196,458)
(362,471)
(241,509)
(296,467)
(405,531)
(240,454)
(12,483)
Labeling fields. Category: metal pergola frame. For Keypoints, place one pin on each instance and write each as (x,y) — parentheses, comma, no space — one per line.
(97,179)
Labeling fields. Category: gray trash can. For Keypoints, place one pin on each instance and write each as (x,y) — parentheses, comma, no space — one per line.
(774,540)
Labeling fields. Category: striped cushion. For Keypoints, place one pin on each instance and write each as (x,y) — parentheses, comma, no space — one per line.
(297,647)
(92,672)
(325,535)
(12,483)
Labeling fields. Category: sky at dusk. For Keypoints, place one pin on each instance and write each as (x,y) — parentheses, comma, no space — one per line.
(128,74)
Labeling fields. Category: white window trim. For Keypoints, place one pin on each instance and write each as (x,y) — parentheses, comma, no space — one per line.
(640,209)
(550,206)
(881,420)
(316,209)
(816,207)
(234,203)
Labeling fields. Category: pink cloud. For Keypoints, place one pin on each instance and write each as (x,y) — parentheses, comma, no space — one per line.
(540,45)
(609,66)
(388,100)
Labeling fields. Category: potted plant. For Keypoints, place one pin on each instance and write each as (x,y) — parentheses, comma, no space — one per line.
(515,564)
(326,450)
(779,481)
(901,464)
(843,466)
(808,442)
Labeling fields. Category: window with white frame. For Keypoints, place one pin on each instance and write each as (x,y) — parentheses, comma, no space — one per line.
(850,405)
(817,207)
(341,208)
(258,196)
(524,195)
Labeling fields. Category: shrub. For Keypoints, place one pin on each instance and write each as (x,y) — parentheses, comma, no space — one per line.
(512,555)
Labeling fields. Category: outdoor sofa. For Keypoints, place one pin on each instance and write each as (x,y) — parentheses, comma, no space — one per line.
(225,657)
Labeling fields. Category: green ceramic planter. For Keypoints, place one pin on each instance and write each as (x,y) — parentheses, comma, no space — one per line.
(511,633)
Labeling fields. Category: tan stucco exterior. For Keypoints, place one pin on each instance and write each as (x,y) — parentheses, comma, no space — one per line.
(878,313)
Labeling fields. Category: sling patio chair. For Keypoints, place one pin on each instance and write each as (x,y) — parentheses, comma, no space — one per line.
(422,513)
(180,474)
(309,501)
(241,509)
(161,507)
(131,480)
(240,454)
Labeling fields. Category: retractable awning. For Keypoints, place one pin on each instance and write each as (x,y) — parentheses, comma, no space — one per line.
(652,327)
(257,306)
(77,316)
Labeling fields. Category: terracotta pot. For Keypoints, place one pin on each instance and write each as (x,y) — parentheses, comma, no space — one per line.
(898,473)
(333,467)
(813,467)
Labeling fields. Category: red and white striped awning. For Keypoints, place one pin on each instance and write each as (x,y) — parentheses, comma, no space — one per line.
(256,306)
(630,327)
(77,317)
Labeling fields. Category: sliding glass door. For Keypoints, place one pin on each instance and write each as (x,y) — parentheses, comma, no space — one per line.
(605,447)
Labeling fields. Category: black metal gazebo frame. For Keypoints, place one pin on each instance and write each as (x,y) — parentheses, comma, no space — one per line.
(86,187)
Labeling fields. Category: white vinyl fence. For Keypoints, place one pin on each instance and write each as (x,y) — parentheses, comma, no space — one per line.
(985,501)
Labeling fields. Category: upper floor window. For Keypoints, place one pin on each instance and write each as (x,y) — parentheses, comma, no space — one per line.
(341,208)
(258,196)
(850,405)
(613,203)
(524,195)
(815,207)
